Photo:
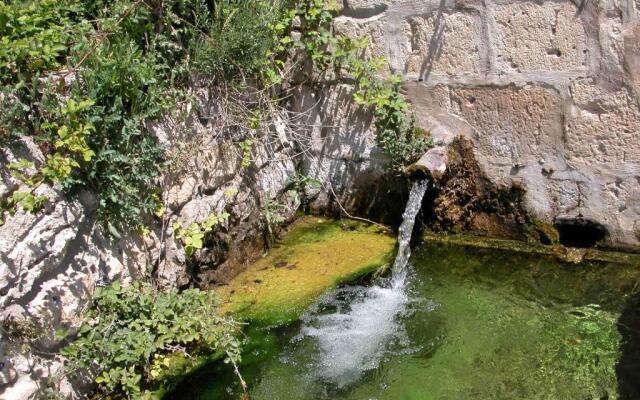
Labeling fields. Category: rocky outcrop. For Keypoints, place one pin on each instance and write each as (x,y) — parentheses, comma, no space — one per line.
(51,262)
(546,91)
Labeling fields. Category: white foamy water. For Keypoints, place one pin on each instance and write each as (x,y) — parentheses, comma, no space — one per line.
(353,339)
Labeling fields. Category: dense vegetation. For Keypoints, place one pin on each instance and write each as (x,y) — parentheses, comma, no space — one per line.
(133,330)
(84,80)
(125,63)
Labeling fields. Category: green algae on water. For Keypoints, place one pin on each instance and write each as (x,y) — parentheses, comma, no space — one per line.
(316,255)
(485,324)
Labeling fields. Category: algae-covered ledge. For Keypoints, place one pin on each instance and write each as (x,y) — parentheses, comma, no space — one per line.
(316,255)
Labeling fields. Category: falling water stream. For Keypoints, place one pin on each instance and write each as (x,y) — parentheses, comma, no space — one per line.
(406,229)
(363,319)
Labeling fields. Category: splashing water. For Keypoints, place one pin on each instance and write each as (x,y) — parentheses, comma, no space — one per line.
(352,339)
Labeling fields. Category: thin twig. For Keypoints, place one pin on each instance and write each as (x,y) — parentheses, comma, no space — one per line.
(386,228)
(236,370)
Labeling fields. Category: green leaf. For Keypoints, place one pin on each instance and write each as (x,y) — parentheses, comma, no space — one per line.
(21,165)
(28,201)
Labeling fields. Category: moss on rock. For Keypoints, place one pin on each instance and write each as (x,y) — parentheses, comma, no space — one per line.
(542,232)
(316,255)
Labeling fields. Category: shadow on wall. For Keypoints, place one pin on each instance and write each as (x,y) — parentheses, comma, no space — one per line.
(436,42)
(628,368)
(339,150)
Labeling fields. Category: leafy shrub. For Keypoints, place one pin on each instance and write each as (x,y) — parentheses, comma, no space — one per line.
(68,137)
(128,159)
(396,132)
(35,37)
(131,331)
(132,60)
(272,214)
(238,39)
(297,186)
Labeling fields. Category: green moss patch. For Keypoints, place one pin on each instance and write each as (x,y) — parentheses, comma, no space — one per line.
(316,255)
(542,232)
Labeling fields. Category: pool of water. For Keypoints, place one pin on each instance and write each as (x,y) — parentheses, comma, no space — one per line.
(469,324)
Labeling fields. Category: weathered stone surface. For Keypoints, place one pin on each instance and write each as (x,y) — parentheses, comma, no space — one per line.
(546,91)
(341,153)
(514,126)
(466,200)
(50,264)
(631,37)
(539,37)
(371,28)
(604,128)
(443,44)
(517,132)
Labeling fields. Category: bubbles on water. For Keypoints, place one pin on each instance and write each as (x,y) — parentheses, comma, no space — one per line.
(353,333)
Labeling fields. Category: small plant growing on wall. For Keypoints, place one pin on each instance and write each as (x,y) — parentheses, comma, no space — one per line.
(272,215)
(192,237)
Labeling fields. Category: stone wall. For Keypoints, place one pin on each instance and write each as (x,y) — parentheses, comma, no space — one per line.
(547,91)
(51,262)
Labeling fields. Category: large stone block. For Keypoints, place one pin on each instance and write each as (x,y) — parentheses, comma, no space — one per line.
(604,128)
(445,44)
(514,126)
(540,37)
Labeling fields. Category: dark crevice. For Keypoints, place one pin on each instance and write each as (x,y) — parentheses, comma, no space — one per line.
(580,232)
